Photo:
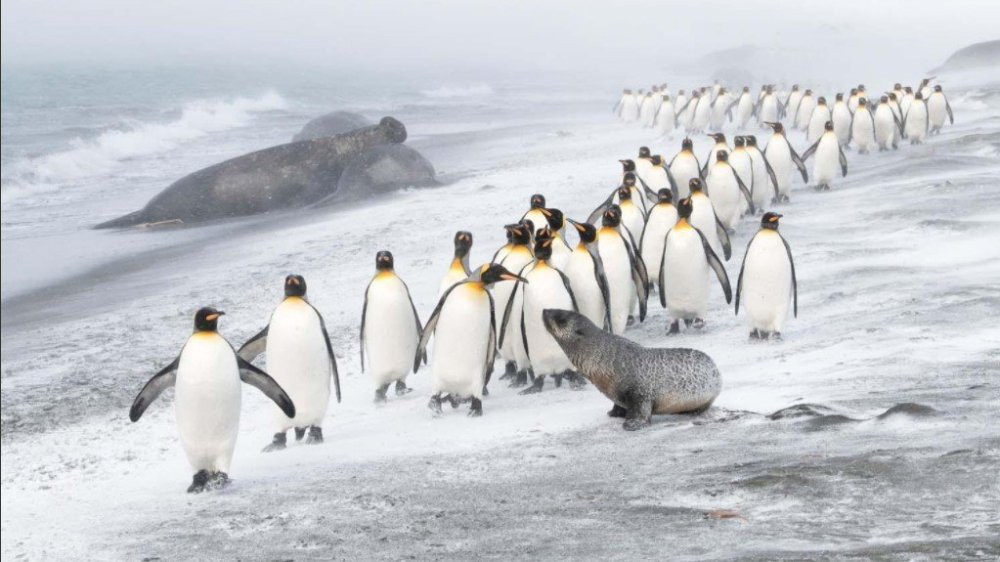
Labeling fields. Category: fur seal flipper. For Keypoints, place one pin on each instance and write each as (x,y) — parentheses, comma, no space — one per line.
(640,381)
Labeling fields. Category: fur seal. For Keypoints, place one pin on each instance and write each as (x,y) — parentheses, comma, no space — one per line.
(281,177)
(640,381)
(331,124)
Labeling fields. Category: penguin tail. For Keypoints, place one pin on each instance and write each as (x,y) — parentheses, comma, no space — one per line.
(132,219)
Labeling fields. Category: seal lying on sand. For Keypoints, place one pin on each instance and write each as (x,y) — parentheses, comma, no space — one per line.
(331,124)
(640,381)
(281,177)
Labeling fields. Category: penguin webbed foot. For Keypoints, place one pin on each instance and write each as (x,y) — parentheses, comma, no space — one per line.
(279,443)
(300,432)
(402,389)
(698,323)
(557,378)
(535,387)
(315,435)
(509,371)
(380,393)
(520,379)
(674,328)
(435,404)
(476,409)
(216,481)
(198,482)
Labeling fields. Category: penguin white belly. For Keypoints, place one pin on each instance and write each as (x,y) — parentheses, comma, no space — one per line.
(633,220)
(702,112)
(916,122)
(544,290)
(583,280)
(768,110)
(767,282)
(454,275)
(630,110)
(391,335)
(719,113)
(560,253)
(207,401)
(684,168)
(461,339)
(537,218)
(863,132)
(502,293)
(806,107)
(744,110)
(665,118)
(827,160)
(743,165)
(781,162)
(725,194)
(817,121)
(703,218)
(841,118)
(793,105)
(657,179)
(648,112)
(936,110)
(297,359)
(761,190)
(885,127)
(661,219)
(686,270)
(618,270)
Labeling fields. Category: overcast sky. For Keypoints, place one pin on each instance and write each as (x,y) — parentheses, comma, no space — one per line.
(617,39)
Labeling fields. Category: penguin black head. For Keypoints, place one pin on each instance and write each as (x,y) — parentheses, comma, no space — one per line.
(828,126)
(587,231)
(751,140)
(861,87)
(746,89)
(919,96)
(684,208)
(840,96)
(384,261)
(628,179)
(722,156)
(937,88)
(770,220)
(809,92)
(664,195)
(529,225)
(494,273)
(555,217)
(908,90)
(656,160)
(643,152)
(207,319)
(543,233)
(695,185)
(680,93)
(739,141)
(897,86)
(508,231)
(537,201)
(719,137)
(543,244)
(775,126)
(884,99)
(612,216)
(295,286)
(795,87)
(821,101)
(519,233)
(624,193)
(892,96)
(628,165)
(463,243)
(687,144)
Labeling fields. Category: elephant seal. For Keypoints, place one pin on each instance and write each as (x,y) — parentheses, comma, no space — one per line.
(331,124)
(382,169)
(640,381)
(281,177)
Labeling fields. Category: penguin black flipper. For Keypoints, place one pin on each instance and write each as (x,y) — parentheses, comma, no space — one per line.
(809,151)
(596,213)
(947,107)
(640,276)
(428,329)
(795,284)
(720,230)
(662,281)
(602,284)
(717,267)
(329,352)
(770,172)
(739,280)
(254,346)
(491,346)
(743,188)
(263,382)
(899,124)
(843,162)
(364,315)
(524,337)
(510,305)
(416,315)
(569,290)
(797,160)
(163,379)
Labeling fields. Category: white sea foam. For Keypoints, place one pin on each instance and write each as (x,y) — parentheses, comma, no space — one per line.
(459,91)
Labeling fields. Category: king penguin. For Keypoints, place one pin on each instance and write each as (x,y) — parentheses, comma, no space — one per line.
(863,128)
(684,167)
(765,181)
(767,280)
(464,328)
(666,118)
(720,145)
(628,282)
(556,222)
(703,218)
(768,108)
(806,106)
(687,260)
(459,268)
(829,157)
(915,120)
(820,115)
(841,117)
(888,128)
(300,358)
(662,217)
(587,280)
(937,109)
(207,376)
(741,162)
(517,257)
(725,188)
(784,160)
(744,108)
(534,213)
(390,328)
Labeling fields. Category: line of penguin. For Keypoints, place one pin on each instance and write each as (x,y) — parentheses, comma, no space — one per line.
(665,228)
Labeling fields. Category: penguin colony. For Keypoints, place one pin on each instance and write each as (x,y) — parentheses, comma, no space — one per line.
(665,228)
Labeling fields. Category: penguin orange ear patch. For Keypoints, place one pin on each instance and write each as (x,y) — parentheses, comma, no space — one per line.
(773,219)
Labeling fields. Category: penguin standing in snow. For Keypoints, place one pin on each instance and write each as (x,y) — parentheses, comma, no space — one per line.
(657,178)
(687,260)
(587,280)
(744,108)
(829,157)
(806,106)
(207,376)
(720,145)
(545,287)
(516,258)
(841,117)
(765,181)
(820,115)
(916,121)
(703,218)
(534,213)
(937,109)
(465,337)
(459,268)
(791,104)
(783,160)
(725,188)
(662,217)
(742,164)
(683,167)
(887,126)
(863,128)
(628,282)
(390,327)
(666,118)
(556,222)
(300,358)
(767,280)
(768,107)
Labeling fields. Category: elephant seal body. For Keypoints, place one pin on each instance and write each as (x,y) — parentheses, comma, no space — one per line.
(640,381)
(281,177)
(331,124)
(382,169)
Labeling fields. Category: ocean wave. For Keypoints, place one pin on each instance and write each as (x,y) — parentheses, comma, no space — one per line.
(459,91)
(105,152)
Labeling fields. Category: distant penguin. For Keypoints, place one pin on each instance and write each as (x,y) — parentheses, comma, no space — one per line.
(703,218)
(702,113)
(863,128)
(628,282)
(633,218)
(888,128)
(806,106)
(829,158)
(710,159)
(662,217)
(686,116)
(679,104)
(906,100)
(300,358)
(629,108)
(534,213)
(820,115)
(617,109)
(741,162)
(207,375)
(390,328)
(544,286)
(894,105)
(852,100)
(744,108)
(841,117)
(657,178)
(722,108)
(465,340)
(925,87)
(784,160)
(937,109)
(459,268)
(666,118)
(647,110)
(725,189)
(792,103)
(631,178)
(767,280)
(687,261)
(684,166)
(916,121)
(765,181)
(587,279)
(515,259)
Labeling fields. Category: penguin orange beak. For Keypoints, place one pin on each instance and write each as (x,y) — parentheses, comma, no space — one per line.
(215,316)
(545,212)
(513,277)
(579,227)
